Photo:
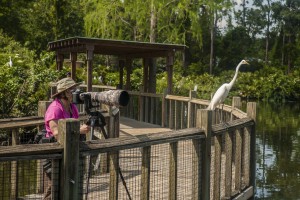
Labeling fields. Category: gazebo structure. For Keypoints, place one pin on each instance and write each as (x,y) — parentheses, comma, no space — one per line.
(126,51)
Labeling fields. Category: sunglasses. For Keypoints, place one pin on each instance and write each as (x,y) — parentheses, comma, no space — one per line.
(72,90)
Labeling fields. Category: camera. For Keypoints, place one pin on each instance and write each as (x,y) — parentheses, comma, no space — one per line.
(110,97)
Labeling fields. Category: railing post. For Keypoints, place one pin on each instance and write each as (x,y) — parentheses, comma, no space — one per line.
(53,89)
(251,112)
(164,109)
(145,182)
(204,121)
(14,167)
(190,110)
(114,175)
(114,156)
(173,170)
(171,113)
(196,169)
(141,106)
(69,138)
(42,107)
(236,103)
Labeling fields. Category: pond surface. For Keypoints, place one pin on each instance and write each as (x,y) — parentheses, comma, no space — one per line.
(278,151)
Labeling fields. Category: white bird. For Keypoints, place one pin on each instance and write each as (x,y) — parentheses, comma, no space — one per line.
(223,91)
(10,62)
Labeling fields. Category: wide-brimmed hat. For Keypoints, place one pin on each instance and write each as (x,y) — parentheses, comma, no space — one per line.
(64,84)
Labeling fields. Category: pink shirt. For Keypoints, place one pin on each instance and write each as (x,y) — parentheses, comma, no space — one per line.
(56,111)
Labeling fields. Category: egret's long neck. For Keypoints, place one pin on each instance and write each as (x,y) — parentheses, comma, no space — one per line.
(235,75)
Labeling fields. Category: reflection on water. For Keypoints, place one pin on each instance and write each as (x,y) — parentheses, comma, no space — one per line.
(278,151)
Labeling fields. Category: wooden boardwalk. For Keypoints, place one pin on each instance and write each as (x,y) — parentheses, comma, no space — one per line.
(131,168)
(130,165)
(133,127)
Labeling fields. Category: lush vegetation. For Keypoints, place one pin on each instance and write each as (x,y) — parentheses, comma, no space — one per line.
(218,34)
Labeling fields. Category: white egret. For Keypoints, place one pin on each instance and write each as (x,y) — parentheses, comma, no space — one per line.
(223,91)
(10,62)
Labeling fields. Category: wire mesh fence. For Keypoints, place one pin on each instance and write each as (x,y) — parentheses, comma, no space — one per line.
(153,166)
(26,179)
(96,180)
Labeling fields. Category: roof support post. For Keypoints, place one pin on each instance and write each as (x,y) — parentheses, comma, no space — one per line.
(89,58)
(59,61)
(170,63)
(152,75)
(121,73)
(146,74)
(73,58)
(128,66)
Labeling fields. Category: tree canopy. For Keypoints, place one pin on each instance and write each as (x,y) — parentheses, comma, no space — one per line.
(218,35)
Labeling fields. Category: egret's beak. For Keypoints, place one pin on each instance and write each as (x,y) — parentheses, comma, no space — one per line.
(247,62)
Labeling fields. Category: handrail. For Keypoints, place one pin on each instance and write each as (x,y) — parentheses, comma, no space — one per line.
(129,142)
(12,123)
(101,146)
(177,98)
(145,94)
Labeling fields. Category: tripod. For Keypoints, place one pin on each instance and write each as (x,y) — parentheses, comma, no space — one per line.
(96,119)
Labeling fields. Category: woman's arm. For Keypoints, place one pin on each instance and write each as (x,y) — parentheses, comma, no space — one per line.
(84,129)
(53,124)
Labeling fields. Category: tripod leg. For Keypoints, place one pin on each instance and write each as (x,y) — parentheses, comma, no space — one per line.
(121,175)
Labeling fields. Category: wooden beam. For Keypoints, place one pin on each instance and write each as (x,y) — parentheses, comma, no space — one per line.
(89,58)
(173,171)
(217,166)
(196,168)
(14,167)
(204,121)
(73,58)
(69,130)
(128,65)
(121,73)
(145,180)
(152,76)
(114,175)
(59,61)
(191,107)
(145,74)
(170,62)
(251,112)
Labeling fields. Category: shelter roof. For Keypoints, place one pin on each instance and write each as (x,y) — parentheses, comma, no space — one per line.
(114,47)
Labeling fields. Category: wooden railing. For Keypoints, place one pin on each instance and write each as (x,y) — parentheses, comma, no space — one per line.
(221,162)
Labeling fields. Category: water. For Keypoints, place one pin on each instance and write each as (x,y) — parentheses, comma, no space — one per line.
(278,151)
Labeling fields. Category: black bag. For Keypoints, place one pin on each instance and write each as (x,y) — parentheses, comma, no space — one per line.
(41,138)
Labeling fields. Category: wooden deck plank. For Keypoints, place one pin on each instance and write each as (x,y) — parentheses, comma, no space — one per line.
(133,127)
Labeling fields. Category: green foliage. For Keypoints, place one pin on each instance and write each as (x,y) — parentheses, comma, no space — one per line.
(26,81)
(268,83)
(33,23)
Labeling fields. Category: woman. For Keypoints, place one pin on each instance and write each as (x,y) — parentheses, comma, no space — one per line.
(61,108)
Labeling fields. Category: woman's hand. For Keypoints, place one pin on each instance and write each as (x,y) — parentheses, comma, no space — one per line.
(84,129)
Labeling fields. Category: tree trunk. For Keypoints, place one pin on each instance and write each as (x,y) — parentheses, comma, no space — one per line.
(289,56)
(152,61)
(244,13)
(267,34)
(212,39)
(153,20)
(282,49)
